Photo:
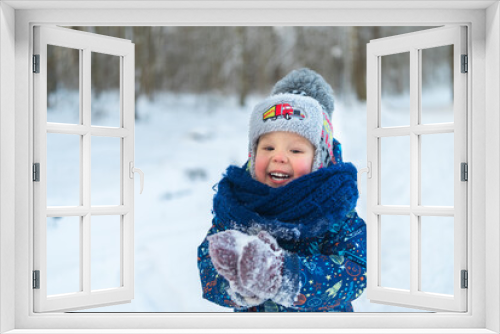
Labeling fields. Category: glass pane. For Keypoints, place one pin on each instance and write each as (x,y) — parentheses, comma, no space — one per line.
(63,85)
(395,252)
(437,169)
(105,90)
(437,85)
(395,170)
(437,235)
(105,249)
(63,170)
(63,255)
(106,171)
(395,90)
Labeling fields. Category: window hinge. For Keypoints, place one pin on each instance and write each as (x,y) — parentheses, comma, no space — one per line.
(36,279)
(465,279)
(465,64)
(36,63)
(36,172)
(464,171)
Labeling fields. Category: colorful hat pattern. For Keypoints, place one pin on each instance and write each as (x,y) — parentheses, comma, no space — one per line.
(302,102)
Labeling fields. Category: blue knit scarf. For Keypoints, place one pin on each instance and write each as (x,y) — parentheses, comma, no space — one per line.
(306,207)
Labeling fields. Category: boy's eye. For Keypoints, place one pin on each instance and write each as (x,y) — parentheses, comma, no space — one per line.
(268,148)
(296,151)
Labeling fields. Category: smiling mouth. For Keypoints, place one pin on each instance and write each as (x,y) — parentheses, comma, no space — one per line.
(279,176)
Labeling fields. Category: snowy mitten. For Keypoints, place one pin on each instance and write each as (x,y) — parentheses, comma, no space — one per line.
(260,266)
(224,249)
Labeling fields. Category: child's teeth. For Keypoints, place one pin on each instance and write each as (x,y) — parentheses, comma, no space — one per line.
(279,175)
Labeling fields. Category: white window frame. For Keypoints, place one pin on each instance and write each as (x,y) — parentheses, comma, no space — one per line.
(16,128)
(85,43)
(413,44)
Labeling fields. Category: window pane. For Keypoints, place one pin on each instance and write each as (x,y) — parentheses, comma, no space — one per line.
(395,170)
(437,169)
(437,85)
(63,255)
(106,171)
(395,90)
(105,90)
(63,84)
(395,252)
(63,170)
(437,235)
(105,250)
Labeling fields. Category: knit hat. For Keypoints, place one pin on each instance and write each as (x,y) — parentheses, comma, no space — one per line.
(301,102)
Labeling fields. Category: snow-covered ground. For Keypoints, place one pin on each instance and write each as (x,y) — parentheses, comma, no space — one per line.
(184,143)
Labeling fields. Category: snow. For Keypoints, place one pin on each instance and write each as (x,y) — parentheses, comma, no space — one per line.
(184,142)
(234,240)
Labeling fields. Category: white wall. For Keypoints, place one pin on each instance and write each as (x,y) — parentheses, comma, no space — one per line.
(7,190)
(492,161)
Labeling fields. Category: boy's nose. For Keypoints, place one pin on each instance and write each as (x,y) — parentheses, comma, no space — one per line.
(280,157)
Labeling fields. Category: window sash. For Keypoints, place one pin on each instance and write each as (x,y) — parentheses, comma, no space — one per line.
(413,43)
(86,43)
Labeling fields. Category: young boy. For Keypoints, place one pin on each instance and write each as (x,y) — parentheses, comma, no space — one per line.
(285,236)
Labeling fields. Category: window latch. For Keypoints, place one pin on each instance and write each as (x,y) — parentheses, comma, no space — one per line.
(133,170)
(367,170)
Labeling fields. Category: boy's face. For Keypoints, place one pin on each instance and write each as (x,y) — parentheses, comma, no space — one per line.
(282,157)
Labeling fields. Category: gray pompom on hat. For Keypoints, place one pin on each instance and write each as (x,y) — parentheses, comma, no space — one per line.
(301,102)
(307,82)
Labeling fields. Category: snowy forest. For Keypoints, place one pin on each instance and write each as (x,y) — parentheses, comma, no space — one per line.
(190,82)
(245,60)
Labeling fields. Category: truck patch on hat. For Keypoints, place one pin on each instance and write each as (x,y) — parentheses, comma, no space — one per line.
(283,110)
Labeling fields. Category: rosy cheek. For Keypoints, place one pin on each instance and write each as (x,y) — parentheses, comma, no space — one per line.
(260,169)
(303,168)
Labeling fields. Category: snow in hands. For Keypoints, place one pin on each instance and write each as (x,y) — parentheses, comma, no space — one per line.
(260,266)
(224,249)
(252,264)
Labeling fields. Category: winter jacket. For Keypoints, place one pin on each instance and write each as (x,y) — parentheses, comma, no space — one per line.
(324,273)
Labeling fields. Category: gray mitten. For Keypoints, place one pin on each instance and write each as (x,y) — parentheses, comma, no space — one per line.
(260,266)
(224,249)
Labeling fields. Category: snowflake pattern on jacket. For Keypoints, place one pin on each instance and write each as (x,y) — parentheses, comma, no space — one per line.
(324,273)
